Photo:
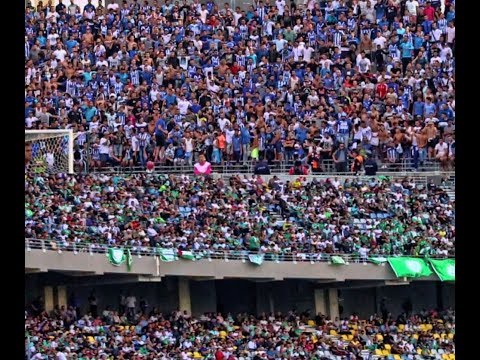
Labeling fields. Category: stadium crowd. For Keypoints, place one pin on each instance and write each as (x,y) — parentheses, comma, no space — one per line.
(371,216)
(166,82)
(62,334)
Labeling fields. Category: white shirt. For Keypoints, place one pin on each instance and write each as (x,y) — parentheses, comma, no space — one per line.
(103,148)
(183,106)
(113,6)
(131,300)
(441,149)
(30,120)
(307,54)
(280,6)
(203,15)
(61,356)
(60,54)
(450,34)
(52,38)
(412,7)
(364,65)
(380,41)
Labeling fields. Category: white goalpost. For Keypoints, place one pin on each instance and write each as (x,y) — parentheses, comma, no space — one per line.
(52,151)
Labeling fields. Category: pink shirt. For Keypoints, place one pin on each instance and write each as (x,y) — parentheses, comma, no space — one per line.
(205,169)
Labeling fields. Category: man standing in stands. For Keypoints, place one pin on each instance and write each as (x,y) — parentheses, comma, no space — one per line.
(28,154)
(262,168)
(340,157)
(370,166)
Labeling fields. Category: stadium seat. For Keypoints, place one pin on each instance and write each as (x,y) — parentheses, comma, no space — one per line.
(379,337)
(388,347)
(397,357)
(415,336)
(451,356)
(197,355)
(378,352)
(333,332)
(450,336)
(385,352)
(445,357)
(436,336)
(350,337)
(311,323)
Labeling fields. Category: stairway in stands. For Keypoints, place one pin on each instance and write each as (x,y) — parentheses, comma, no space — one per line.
(448,184)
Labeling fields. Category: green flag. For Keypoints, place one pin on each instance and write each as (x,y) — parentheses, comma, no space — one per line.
(187,255)
(409,267)
(129,260)
(254,243)
(445,269)
(116,256)
(256,259)
(337,260)
(378,260)
(168,255)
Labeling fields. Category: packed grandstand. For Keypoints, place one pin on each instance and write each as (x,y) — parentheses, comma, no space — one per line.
(152,103)
(113,335)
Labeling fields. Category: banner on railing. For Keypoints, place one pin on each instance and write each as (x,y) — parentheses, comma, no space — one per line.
(445,269)
(337,260)
(117,257)
(409,267)
(129,260)
(378,260)
(168,255)
(256,259)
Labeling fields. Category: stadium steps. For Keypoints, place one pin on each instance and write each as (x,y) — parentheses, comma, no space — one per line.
(450,193)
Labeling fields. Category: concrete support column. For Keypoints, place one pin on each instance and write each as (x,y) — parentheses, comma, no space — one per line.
(62,296)
(48,298)
(333,310)
(203,295)
(271,301)
(184,301)
(319,298)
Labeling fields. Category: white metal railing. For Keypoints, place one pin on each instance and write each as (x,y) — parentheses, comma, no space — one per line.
(240,255)
(276,167)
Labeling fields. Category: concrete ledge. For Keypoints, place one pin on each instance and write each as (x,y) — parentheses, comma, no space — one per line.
(214,269)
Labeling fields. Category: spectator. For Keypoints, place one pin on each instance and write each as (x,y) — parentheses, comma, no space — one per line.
(176,335)
(252,94)
(340,158)
(202,167)
(172,201)
(298,169)
(262,168)
(370,166)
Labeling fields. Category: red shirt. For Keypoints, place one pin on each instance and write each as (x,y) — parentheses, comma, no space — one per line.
(382,90)
(219,355)
(429,12)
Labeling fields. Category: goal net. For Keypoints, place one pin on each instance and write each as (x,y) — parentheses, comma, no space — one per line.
(49,151)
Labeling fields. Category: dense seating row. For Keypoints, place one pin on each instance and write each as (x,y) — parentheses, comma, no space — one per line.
(109,335)
(276,81)
(373,216)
